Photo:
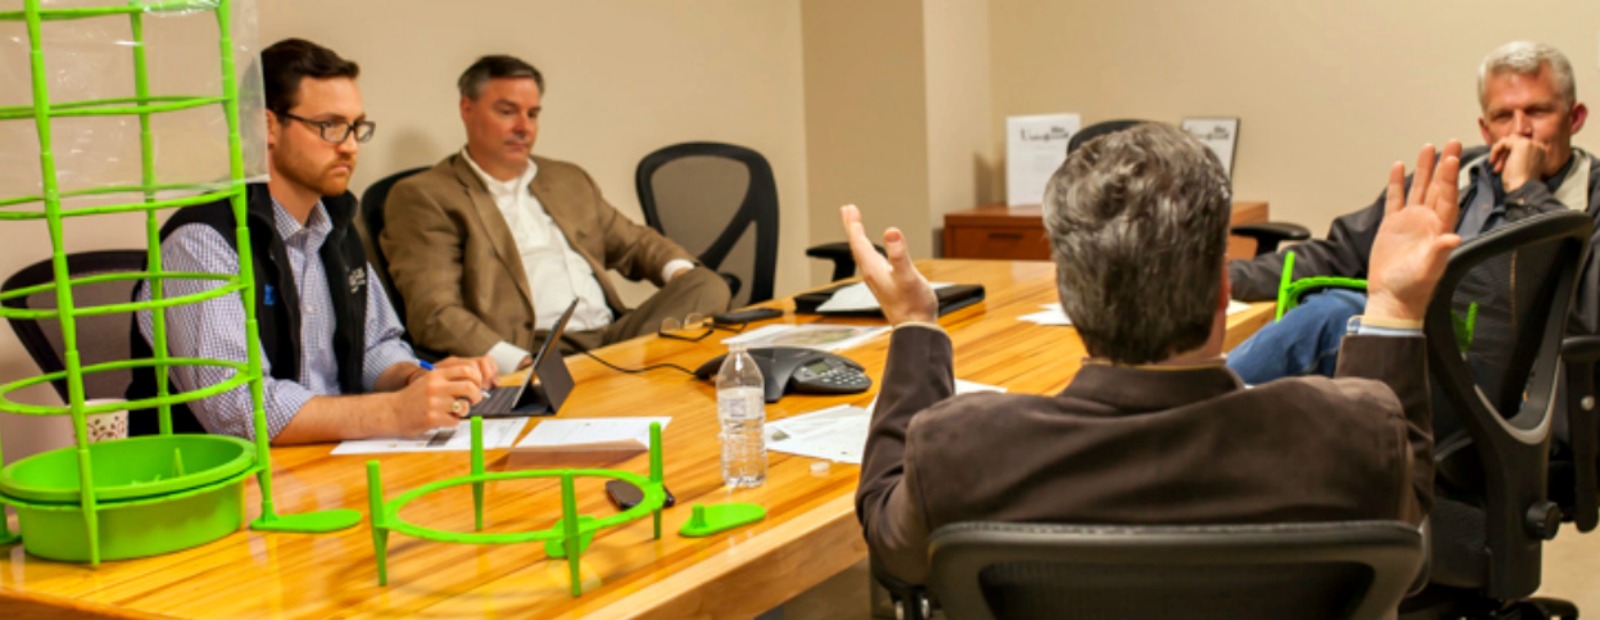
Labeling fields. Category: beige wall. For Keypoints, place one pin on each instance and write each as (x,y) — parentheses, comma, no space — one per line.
(1329,93)
(866,117)
(897,93)
(959,82)
(624,78)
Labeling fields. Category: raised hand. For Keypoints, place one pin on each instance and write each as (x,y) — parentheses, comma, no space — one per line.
(1414,241)
(901,290)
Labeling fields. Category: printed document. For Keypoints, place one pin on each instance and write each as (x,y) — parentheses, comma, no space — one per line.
(497,433)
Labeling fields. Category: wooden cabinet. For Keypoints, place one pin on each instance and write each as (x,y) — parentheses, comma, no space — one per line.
(1017,233)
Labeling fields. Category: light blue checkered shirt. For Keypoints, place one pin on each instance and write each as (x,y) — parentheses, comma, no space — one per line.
(215,328)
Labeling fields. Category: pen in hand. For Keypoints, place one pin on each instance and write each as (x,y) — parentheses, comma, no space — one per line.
(426,365)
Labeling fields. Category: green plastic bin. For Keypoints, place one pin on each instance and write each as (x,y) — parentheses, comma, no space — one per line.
(129,468)
(135,528)
(155,495)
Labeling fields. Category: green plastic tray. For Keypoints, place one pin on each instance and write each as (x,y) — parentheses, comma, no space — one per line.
(137,528)
(129,468)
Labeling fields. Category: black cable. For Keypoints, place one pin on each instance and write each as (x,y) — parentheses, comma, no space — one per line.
(632,371)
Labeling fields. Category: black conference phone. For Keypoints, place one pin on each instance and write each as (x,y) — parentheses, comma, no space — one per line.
(799,370)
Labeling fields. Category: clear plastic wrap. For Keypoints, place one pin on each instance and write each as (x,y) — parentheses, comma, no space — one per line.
(92,61)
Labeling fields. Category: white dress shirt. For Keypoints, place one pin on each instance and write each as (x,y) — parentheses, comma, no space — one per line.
(557,274)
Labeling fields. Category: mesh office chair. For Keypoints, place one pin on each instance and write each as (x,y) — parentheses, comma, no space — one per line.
(1493,511)
(1267,235)
(1352,569)
(686,189)
(372,225)
(101,338)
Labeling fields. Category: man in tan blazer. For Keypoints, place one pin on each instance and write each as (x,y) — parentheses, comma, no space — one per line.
(489,246)
(1154,428)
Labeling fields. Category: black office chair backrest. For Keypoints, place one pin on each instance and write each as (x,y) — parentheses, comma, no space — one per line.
(720,202)
(1354,569)
(100,338)
(372,219)
(1502,386)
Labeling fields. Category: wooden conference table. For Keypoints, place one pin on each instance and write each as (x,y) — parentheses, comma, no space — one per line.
(810,532)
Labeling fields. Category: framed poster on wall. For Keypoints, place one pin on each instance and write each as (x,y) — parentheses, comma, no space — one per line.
(1221,134)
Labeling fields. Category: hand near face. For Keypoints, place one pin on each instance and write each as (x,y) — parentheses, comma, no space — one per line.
(1517,159)
(901,290)
(1416,237)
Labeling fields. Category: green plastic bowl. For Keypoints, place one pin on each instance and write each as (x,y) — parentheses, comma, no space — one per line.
(135,529)
(127,469)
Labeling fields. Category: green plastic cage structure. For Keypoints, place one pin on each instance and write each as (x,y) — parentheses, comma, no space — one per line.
(568,538)
(144,495)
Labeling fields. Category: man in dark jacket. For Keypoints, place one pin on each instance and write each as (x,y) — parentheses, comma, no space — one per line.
(1529,166)
(326,332)
(1154,429)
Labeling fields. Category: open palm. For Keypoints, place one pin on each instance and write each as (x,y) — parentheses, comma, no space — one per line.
(1414,241)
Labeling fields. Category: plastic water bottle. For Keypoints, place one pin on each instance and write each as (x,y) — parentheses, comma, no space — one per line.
(742,412)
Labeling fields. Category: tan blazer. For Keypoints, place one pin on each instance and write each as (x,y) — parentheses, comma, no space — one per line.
(453,259)
(1123,445)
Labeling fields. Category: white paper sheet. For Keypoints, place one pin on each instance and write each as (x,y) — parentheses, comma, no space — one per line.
(497,433)
(582,431)
(1035,147)
(857,297)
(1053,315)
(813,335)
(836,434)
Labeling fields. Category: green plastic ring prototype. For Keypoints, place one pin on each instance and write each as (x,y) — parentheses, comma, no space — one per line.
(567,539)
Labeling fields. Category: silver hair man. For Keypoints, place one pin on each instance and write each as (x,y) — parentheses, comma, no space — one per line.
(1527,58)
(1138,228)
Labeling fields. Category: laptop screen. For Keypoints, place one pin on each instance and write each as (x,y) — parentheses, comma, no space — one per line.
(551,345)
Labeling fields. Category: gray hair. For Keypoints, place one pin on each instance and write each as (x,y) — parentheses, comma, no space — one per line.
(1527,58)
(496,67)
(1138,225)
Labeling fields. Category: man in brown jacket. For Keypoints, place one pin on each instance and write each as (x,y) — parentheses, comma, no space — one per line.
(1154,428)
(488,247)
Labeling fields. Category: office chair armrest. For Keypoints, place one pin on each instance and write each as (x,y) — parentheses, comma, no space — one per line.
(734,283)
(1579,354)
(844,264)
(1269,234)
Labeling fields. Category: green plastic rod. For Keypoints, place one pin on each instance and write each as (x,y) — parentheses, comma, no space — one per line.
(569,533)
(380,528)
(656,471)
(152,223)
(477,470)
(58,259)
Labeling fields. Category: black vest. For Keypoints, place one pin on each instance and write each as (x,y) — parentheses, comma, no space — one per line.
(277,299)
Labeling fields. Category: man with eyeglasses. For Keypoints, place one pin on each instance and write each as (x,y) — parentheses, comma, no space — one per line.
(492,244)
(331,343)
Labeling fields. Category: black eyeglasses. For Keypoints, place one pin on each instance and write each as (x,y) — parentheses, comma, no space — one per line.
(337,132)
(693,328)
